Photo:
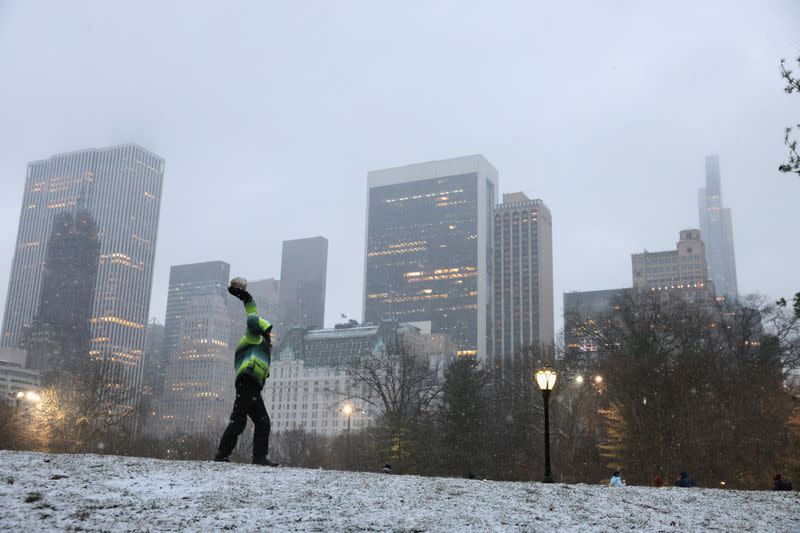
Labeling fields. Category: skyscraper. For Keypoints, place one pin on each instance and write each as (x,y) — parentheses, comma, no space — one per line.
(199,386)
(523,276)
(428,253)
(304,267)
(121,189)
(717,230)
(185,283)
(58,339)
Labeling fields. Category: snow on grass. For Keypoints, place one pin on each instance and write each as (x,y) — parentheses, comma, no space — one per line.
(112,493)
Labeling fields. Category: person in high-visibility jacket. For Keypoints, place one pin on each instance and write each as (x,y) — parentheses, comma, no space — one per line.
(252,360)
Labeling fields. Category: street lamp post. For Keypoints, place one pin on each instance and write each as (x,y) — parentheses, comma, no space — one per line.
(347,409)
(546,379)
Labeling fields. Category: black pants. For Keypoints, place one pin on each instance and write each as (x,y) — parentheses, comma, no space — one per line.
(248,403)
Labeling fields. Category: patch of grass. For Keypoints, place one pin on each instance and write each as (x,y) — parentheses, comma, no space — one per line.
(33,497)
(83,514)
(9,480)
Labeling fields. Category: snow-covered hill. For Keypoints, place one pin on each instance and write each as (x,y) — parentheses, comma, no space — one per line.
(92,492)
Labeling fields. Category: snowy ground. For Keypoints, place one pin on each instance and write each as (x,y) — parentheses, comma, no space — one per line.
(91,492)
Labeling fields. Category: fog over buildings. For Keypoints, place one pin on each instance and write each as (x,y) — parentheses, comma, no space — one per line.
(269,118)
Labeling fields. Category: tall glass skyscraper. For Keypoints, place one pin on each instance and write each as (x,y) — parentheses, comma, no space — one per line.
(428,247)
(121,190)
(716,229)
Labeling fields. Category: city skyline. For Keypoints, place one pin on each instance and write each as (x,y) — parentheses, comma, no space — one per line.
(298,155)
(715,182)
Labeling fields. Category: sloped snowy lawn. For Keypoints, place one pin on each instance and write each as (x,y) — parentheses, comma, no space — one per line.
(123,493)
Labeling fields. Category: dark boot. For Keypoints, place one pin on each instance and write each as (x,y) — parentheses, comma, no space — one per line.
(221,459)
(263,461)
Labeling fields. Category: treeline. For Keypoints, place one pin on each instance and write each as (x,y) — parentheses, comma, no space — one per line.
(665,386)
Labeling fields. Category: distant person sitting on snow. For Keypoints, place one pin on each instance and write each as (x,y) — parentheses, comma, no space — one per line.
(387,468)
(684,480)
(658,482)
(780,484)
(251,362)
(616,481)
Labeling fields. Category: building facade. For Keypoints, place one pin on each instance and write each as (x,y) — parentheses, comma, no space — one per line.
(717,230)
(199,386)
(309,383)
(684,269)
(14,377)
(187,282)
(428,248)
(304,267)
(583,310)
(523,276)
(121,188)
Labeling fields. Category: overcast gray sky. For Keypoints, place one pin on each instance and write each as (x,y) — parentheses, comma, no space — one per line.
(269,116)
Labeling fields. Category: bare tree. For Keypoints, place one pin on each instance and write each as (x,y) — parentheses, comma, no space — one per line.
(297,447)
(81,412)
(574,423)
(696,386)
(13,427)
(400,384)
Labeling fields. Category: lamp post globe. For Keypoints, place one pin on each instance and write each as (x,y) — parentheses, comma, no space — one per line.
(546,379)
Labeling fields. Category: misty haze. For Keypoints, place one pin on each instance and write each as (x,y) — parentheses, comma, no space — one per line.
(408,266)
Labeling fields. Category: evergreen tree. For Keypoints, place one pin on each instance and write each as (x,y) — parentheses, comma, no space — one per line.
(462,419)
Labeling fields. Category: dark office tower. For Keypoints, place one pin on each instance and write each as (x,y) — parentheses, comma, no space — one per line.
(121,188)
(58,339)
(304,266)
(523,276)
(428,248)
(187,282)
(717,231)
